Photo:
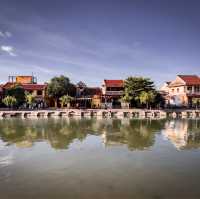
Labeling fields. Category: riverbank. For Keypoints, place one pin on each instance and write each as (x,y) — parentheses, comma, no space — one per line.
(121,113)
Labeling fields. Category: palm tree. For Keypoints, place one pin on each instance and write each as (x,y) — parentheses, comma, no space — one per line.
(30,99)
(65,100)
(196,102)
(146,98)
(9,101)
(126,99)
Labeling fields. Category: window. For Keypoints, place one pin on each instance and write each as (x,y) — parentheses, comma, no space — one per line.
(189,88)
(39,92)
(197,89)
(114,89)
(108,88)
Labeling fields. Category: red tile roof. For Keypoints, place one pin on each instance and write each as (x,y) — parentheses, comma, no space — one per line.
(33,86)
(7,85)
(27,87)
(114,83)
(190,79)
(1,87)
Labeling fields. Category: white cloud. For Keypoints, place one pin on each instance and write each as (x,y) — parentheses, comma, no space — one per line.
(8,34)
(1,34)
(5,34)
(9,50)
(44,70)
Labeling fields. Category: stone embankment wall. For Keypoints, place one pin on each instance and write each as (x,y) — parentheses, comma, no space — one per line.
(118,113)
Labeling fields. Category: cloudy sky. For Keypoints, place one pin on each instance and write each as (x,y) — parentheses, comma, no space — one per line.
(92,40)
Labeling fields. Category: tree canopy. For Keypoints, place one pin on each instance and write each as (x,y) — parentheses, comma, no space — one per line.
(59,86)
(18,92)
(30,98)
(65,100)
(147,98)
(9,101)
(135,85)
(196,102)
(139,90)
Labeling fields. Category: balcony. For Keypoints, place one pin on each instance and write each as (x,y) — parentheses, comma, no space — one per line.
(114,93)
(193,92)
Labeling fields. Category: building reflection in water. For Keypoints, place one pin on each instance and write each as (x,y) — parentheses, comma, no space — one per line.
(135,134)
(183,134)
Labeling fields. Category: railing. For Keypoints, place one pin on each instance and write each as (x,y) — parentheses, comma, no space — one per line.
(114,92)
(193,92)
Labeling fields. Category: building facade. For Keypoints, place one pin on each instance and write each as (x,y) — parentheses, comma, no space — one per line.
(88,97)
(182,91)
(29,84)
(112,90)
(1,91)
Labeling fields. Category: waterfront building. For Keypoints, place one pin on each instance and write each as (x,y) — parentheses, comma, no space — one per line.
(182,91)
(164,91)
(88,97)
(112,90)
(165,87)
(29,84)
(1,91)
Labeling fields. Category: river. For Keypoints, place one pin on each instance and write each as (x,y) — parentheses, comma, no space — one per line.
(99,158)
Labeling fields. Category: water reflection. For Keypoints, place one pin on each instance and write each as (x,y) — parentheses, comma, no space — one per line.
(184,134)
(135,134)
(107,158)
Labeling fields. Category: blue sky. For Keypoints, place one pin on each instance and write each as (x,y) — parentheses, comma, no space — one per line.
(92,40)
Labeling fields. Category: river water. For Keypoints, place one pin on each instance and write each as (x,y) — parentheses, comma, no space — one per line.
(99,158)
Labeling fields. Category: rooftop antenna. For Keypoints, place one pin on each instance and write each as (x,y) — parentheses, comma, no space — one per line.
(32,78)
(11,78)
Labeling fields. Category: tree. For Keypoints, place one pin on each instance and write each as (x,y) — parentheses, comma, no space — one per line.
(196,102)
(125,100)
(30,99)
(81,89)
(159,100)
(17,92)
(9,101)
(147,98)
(60,86)
(81,84)
(134,86)
(65,100)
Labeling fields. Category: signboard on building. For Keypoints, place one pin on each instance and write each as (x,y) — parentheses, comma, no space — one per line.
(24,79)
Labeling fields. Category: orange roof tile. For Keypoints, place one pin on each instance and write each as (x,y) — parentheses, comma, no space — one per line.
(114,83)
(27,87)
